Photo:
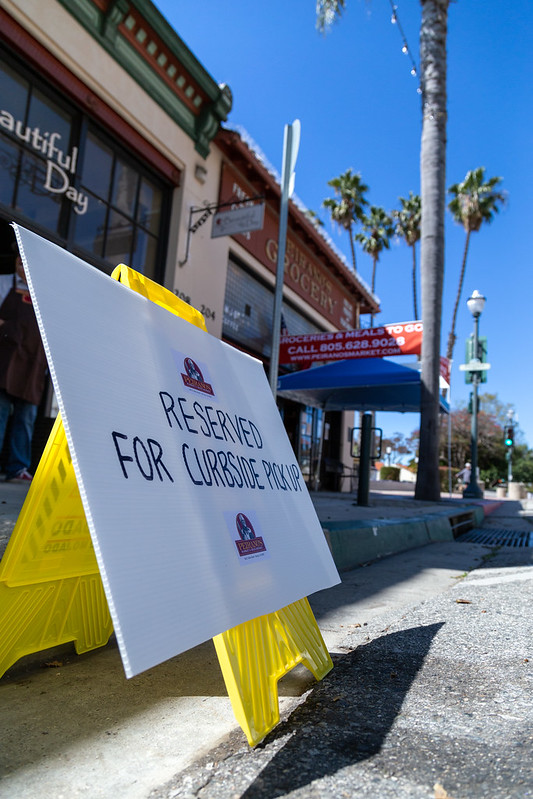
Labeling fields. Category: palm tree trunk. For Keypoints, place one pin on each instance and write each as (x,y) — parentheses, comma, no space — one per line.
(374,264)
(352,245)
(414,283)
(452,337)
(433,31)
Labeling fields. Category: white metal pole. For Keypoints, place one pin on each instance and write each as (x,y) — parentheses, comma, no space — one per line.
(291,142)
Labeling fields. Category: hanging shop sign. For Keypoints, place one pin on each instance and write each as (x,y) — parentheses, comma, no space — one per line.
(304,273)
(240,219)
(401,338)
(195,503)
(235,218)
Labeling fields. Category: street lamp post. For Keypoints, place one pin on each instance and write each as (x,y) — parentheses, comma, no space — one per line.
(475,303)
(509,440)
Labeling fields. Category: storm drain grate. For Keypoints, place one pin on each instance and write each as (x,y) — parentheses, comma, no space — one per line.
(502,538)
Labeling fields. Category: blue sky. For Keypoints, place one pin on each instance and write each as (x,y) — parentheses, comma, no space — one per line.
(358,106)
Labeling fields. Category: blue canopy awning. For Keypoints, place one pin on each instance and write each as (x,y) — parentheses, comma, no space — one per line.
(369,384)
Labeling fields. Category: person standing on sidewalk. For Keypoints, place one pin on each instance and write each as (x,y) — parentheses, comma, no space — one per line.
(22,371)
(463,476)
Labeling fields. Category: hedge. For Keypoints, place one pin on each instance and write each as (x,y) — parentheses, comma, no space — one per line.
(389,473)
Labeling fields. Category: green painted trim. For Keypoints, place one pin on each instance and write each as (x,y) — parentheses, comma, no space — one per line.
(104,29)
(86,13)
(352,547)
(128,58)
(353,543)
(157,21)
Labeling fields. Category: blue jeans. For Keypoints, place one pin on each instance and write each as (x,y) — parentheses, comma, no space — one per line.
(22,424)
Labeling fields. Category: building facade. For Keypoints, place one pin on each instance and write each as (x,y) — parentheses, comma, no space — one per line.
(320,294)
(112,146)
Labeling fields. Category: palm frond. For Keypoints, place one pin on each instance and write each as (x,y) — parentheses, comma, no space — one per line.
(328,12)
(476,200)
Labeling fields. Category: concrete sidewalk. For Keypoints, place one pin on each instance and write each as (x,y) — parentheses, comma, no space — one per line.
(75,727)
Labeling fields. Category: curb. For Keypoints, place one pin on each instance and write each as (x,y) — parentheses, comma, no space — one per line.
(354,543)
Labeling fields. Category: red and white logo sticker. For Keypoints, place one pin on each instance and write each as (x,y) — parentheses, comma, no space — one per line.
(250,544)
(192,375)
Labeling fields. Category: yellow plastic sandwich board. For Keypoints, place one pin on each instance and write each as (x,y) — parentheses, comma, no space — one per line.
(51,590)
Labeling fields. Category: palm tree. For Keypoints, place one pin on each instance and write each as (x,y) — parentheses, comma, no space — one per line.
(378,228)
(347,208)
(475,201)
(408,228)
(433,32)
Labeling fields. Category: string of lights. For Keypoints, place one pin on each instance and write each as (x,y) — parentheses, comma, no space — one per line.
(405,46)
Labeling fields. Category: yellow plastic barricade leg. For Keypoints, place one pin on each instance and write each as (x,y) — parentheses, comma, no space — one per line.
(50,587)
(158,294)
(51,591)
(253,656)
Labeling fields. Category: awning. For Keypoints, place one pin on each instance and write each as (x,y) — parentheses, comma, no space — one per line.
(369,384)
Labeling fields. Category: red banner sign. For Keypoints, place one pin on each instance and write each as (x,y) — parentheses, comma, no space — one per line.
(402,338)
(445,369)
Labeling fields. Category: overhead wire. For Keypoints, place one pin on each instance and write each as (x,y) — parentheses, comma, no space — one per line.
(406,50)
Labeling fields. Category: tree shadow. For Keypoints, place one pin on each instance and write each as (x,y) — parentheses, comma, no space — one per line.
(346,718)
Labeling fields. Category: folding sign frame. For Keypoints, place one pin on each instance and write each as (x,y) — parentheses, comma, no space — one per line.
(51,591)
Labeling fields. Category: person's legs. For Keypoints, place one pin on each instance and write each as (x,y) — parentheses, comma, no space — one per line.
(24,415)
(5,410)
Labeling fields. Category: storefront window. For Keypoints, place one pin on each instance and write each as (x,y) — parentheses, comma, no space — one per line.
(125,185)
(124,210)
(9,156)
(40,204)
(50,127)
(14,96)
(150,204)
(311,421)
(119,239)
(145,248)
(61,172)
(97,167)
(89,228)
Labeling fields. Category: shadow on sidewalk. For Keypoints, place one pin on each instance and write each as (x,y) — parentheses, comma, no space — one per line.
(371,587)
(347,717)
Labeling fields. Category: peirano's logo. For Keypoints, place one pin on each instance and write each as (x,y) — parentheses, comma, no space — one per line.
(194,378)
(249,543)
(245,527)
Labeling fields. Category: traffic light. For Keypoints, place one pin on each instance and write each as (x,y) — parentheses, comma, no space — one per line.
(509,436)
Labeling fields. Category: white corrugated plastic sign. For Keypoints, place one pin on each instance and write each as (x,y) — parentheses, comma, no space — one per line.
(197,508)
